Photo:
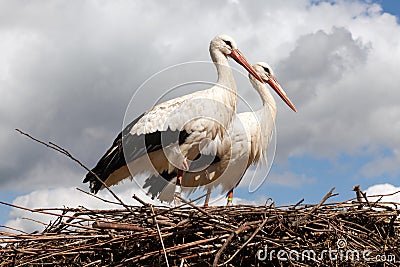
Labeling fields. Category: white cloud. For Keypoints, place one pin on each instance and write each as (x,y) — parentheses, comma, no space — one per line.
(256,176)
(290,179)
(384,189)
(347,102)
(68,71)
(337,109)
(384,165)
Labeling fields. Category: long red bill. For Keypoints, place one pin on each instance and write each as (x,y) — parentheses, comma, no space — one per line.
(272,81)
(239,58)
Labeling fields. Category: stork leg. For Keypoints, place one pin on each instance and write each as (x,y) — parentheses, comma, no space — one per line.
(229,198)
(207,197)
(178,188)
(185,164)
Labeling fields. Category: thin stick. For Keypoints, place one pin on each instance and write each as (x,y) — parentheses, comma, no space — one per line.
(298,203)
(14,229)
(159,234)
(194,206)
(219,253)
(118,226)
(69,155)
(245,243)
(33,210)
(325,198)
(95,196)
(135,197)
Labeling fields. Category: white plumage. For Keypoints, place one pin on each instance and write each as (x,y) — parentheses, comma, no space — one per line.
(164,137)
(245,143)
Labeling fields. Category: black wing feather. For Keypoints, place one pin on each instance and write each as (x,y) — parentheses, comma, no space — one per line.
(157,183)
(136,145)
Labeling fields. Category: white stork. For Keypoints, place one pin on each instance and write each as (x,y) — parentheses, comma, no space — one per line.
(161,139)
(245,143)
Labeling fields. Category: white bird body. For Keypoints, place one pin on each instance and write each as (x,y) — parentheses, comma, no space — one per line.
(245,143)
(171,115)
(203,115)
(165,136)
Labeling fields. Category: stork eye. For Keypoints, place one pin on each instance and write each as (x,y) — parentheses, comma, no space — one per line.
(267,70)
(228,43)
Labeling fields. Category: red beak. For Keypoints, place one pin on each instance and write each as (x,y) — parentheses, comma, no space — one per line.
(239,58)
(273,82)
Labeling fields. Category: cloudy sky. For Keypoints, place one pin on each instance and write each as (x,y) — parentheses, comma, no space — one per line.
(68,71)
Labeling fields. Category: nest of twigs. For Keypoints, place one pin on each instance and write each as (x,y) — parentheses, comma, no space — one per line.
(350,233)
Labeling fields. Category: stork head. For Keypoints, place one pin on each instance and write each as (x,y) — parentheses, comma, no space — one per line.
(223,43)
(267,75)
(227,46)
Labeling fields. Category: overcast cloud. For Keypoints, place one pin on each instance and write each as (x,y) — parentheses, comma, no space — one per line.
(69,69)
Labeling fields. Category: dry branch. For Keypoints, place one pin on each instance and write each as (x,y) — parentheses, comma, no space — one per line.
(210,236)
(187,235)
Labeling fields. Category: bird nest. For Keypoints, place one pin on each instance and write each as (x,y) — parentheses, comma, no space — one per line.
(356,232)
(350,233)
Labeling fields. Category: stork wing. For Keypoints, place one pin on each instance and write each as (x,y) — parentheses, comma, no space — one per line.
(128,147)
(167,123)
(199,111)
